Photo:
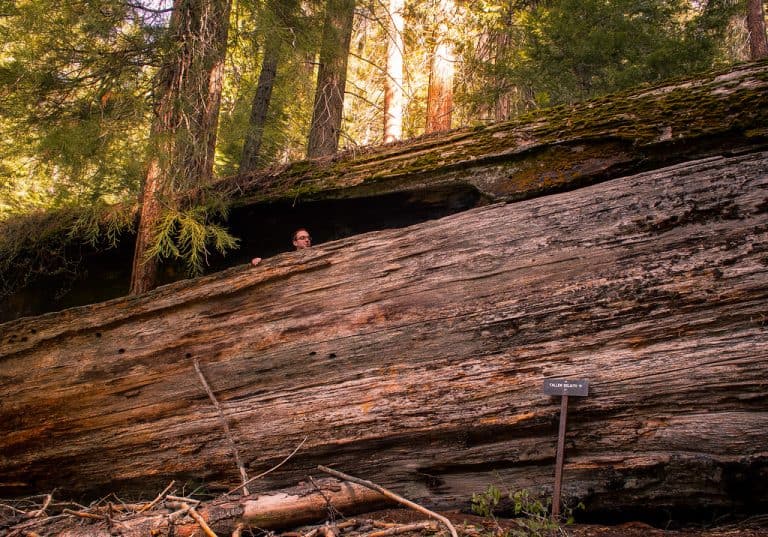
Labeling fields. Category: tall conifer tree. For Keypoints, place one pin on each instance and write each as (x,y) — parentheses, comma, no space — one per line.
(331,78)
(183,135)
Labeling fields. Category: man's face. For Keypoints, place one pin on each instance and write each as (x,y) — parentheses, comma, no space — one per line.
(302,240)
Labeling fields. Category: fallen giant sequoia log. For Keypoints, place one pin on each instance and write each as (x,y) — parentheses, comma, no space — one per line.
(415,357)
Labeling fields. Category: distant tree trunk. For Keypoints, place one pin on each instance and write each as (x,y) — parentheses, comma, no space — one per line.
(259,107)
(331,78)
(440,94)
(183,135)
(393,85)
(283,11)
(758,45)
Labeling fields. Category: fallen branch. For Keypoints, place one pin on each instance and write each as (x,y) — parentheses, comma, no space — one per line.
(242,486)
(196,516)
(84,514)
(224,423)
(417,526)
(14,509)
(284,508)
(391,495)
(182,499)
(41,512)
(157,499)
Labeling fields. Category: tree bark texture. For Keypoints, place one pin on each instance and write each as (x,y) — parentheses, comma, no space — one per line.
(183,136)
(550,151)
(758,41)
(325,128)
(415,357)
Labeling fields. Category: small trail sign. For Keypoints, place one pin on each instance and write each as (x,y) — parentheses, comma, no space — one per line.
(563,388)
(579,388)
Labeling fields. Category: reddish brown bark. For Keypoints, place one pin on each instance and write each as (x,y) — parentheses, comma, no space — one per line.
(440,94)
(415,356)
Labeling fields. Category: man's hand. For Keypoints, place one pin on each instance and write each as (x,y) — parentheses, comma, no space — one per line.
(255,261)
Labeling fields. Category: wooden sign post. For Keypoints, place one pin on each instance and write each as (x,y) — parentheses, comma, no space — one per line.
(563,388)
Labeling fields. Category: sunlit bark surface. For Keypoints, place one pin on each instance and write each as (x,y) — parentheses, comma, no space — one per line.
(440,94)
(393,84)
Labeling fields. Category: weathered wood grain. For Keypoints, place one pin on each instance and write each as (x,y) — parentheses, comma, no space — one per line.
(415,357)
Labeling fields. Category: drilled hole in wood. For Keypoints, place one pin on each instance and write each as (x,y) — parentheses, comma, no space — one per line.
(332,355)
(312,353)
(188,355)
(98,334)
(120,351)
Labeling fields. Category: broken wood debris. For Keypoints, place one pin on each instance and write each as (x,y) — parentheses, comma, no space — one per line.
(392,496)
(168,514)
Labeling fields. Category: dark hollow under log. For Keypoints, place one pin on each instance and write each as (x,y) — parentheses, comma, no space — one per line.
(415,357)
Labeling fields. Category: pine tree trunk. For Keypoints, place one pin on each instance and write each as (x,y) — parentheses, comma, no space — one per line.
(331,78)
(260,106)
(183,137)
(283,11)
(393,83)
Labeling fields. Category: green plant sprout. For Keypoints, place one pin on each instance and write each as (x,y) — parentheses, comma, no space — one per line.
(531,512)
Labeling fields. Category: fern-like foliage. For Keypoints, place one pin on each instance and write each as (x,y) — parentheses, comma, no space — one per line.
(186,235)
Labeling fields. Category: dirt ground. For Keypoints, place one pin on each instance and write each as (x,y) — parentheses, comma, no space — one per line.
(755,527)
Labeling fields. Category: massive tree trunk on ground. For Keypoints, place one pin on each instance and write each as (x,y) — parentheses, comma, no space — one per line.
(325,129)
(183,136)
(549,151)
(414,357)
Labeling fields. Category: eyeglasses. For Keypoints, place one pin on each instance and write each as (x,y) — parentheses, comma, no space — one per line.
(305,238)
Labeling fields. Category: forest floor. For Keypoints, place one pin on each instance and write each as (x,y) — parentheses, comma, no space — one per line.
(755,527)
(391,522)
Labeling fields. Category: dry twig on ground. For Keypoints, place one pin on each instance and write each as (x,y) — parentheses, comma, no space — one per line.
(224,424)
(392,496)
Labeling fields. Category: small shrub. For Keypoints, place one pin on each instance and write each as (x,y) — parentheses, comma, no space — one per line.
(531,512)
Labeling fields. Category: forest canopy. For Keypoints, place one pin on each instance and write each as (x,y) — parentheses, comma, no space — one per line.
(82,87)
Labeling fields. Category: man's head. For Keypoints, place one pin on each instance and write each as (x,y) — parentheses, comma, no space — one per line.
(301,239)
